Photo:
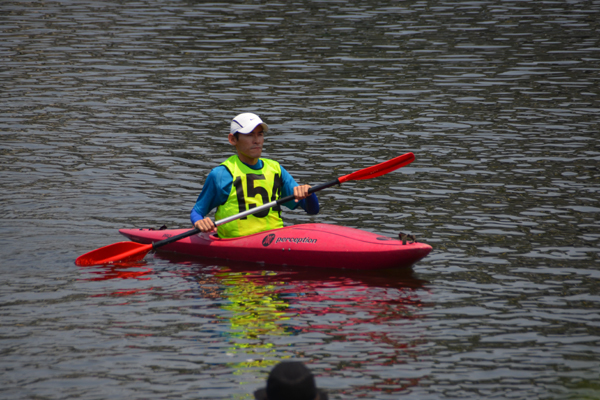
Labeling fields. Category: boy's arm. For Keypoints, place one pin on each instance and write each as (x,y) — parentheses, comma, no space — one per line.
(214,193)
(310,204)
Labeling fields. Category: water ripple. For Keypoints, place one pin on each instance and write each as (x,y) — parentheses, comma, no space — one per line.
(114,113)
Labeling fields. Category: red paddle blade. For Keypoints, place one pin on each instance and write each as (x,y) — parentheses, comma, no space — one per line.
(379,169)
(122,251)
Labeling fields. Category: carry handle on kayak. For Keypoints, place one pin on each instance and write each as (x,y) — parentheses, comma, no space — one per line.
(132,251)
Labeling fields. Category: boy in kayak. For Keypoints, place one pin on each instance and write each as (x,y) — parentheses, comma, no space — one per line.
(245,181)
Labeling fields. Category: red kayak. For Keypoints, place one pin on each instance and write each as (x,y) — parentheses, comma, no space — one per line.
(310,245)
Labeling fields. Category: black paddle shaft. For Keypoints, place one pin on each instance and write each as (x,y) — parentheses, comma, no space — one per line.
(310,191)
(175,238)
(257,209)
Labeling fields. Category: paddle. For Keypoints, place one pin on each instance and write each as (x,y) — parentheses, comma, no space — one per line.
(131,251)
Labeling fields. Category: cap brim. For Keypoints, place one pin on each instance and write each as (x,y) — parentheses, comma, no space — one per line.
(249,130)
(261,394)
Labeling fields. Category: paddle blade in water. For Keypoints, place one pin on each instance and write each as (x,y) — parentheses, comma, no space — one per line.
(122,251)
(379,169)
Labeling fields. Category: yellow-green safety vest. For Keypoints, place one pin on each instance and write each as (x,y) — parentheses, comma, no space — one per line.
(251,188)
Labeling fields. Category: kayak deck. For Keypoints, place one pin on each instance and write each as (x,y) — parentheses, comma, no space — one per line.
(311,245)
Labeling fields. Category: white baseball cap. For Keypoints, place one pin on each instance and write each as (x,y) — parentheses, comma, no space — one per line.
(246,122)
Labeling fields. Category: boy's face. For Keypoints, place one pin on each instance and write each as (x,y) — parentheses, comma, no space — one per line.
(249,147)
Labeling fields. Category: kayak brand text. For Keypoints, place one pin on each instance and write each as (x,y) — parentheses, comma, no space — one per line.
(267,240)
(295,240)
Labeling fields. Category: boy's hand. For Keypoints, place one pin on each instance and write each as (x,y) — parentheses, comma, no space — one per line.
(206,225)
(301,192)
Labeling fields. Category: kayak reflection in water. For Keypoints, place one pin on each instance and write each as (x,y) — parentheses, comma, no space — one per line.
(246,181)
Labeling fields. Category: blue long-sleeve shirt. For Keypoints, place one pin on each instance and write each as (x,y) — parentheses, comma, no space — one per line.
(217,187)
